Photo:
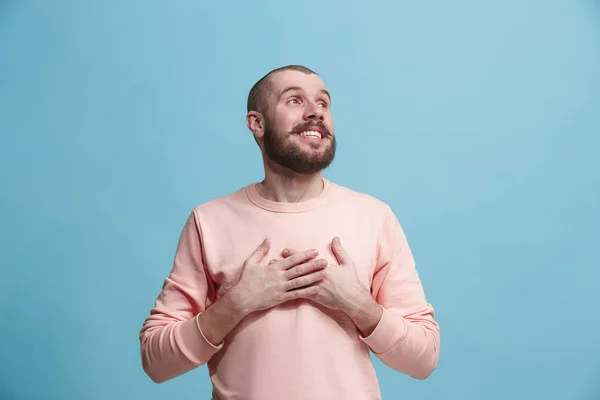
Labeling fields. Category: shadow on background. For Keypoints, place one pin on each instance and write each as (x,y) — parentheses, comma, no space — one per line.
(5,392)
(5,7)
(594,391)
(595,7)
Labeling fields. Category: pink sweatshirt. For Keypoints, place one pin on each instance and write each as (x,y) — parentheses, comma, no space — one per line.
(298,350)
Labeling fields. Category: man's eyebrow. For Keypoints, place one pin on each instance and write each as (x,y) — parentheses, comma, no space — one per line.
(290,89)
(298,88)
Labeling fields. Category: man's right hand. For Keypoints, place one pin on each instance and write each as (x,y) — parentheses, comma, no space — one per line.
(264,286)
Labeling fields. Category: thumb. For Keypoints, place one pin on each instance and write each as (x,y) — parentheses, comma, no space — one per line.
(261,251)
(339,251)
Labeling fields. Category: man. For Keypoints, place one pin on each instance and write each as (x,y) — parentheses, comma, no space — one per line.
(284,286)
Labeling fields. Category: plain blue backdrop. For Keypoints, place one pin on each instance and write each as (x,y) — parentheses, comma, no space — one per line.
(478,122)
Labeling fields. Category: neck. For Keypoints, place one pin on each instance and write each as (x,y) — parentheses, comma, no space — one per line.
(290,187)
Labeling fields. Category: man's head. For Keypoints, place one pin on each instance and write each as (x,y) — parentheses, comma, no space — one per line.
(290,117)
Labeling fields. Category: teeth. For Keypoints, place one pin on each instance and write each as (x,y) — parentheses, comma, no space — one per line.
(311,134)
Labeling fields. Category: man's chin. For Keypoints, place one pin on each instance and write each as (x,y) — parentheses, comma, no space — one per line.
(313,147)
(306,167)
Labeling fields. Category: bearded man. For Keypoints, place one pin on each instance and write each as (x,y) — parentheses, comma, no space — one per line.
(284,287)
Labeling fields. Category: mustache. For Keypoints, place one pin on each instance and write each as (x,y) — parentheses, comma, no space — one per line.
(311,125)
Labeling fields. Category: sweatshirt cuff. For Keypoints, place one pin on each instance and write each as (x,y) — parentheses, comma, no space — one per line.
(194,344)
(218,347)
(390,330)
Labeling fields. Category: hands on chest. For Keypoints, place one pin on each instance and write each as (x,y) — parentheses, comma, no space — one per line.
(296,275)
(300,274)
(340,289)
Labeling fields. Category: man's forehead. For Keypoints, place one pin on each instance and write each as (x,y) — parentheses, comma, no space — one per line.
(295,80)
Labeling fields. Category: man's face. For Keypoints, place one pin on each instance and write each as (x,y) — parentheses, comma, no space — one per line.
(298,130)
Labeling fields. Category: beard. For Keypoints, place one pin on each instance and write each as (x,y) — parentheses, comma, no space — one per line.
(289,155)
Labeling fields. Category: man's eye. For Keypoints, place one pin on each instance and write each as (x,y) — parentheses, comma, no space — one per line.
(293,101)
(323,105)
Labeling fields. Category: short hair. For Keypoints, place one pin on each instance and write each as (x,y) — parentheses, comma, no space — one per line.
(257,98)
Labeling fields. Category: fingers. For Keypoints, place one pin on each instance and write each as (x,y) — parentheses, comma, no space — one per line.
(285,253)
(288,252)
(305,268)
(339,251)
(305,280)
(303,293)
(298,258)
(261,251)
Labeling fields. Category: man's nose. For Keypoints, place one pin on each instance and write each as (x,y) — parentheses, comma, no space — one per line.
(313,111)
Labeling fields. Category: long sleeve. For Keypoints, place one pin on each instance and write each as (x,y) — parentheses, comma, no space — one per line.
(407,338)
(171,340)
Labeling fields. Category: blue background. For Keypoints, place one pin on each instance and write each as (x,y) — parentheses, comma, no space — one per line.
(478,122)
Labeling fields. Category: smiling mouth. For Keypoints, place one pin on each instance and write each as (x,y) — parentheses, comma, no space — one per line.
(311,134)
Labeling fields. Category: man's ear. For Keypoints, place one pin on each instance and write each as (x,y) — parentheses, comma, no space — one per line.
(256,123)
